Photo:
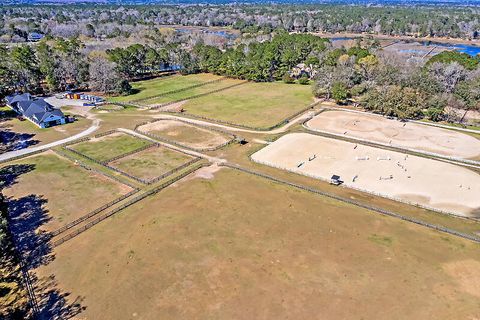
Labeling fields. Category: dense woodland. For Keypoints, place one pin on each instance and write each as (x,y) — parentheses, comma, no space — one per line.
(115,21)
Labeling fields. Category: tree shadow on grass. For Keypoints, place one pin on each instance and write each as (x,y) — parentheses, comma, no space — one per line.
(27,216)
(11,141)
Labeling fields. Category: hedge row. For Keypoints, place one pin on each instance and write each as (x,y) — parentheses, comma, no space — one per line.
(125,205)
(358,204)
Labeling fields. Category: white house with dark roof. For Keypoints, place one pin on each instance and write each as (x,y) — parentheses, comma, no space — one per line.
(37,111)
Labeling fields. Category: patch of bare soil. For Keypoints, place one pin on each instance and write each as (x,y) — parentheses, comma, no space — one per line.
(467,274)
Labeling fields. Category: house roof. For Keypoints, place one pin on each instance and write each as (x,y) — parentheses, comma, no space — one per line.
(15,98)
(38,110)
(335,177)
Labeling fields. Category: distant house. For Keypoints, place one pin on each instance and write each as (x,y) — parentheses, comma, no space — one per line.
(34,37)
(37,111)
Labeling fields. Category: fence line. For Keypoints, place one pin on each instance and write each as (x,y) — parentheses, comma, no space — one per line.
(395,146)
(27,281)
(81,164)
(195,96)
(358,204)
(241,126)
(125,205)
(92,213)
(180,90)
(300,172)
(178,144)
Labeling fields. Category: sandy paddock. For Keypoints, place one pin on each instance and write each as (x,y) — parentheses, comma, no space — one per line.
(402,134)
(427,182)
(189,135)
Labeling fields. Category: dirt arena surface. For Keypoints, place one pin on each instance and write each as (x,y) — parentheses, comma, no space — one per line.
(402,134)
(188,135)
(241,247)
(388,173)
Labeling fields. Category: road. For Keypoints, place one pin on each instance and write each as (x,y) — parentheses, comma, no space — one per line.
(25,152)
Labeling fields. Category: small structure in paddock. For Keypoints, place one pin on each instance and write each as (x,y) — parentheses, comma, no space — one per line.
(300,164)
(335,180)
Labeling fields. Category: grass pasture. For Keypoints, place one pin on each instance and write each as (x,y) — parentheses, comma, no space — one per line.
(252,104)
(153,87)
(206,250)
(186,94)
(109,146)
(185,134)
(151,163)
(58,188)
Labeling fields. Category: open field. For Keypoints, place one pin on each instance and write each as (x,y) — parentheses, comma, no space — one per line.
(203,249)
(408,178)
(403,134)
(109,146)
(149,88)
(151,163)
(186,94)
(253,104)
(53,186)
(185,134)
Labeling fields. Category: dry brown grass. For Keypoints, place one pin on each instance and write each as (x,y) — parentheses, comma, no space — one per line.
(240,247)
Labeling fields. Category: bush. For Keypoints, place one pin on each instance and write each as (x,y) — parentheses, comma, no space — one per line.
(304,80)
(123,87)
(287,78)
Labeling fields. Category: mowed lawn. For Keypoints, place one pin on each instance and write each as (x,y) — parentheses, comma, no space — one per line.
(151,163)
(253,104)
(57,191)
(110,146)
(241,247)
(149,88)
(186,134)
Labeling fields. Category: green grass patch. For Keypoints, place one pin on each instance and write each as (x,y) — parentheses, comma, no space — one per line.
(108,147)
(253,104)
(381,240)
(149,88)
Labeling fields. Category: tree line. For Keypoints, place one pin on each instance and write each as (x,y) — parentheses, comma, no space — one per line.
(443,88)
(62,64)
(117,20)
(256,61)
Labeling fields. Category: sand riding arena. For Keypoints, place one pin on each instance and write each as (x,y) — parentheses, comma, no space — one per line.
(407,135)
(390,174)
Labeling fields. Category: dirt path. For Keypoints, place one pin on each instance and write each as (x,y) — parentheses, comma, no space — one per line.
(281,129)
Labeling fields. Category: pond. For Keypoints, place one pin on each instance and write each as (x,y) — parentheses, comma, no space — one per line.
(472,50)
